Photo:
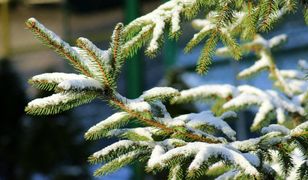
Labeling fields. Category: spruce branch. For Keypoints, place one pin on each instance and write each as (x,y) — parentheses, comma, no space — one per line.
(59,102)
(56,43)
(102,128)
(100,60)
(188,145)
(285,80)
(116,49)
(120,103)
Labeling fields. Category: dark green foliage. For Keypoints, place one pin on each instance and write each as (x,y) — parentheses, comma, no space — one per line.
(303,170)
(177,172)
(67,100)
(302,142)
(46,86)
(118,163)
(285,160)
(116,150)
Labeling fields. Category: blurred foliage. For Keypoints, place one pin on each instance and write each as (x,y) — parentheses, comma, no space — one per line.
(51,146)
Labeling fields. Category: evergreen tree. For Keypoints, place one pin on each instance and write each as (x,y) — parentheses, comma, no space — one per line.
(195,144)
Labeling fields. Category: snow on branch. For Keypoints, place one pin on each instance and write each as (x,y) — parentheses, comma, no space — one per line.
(188,144)
(258,66)
(204,120)
(300,129)
(205,92)
(101,129)
(80,84)
(137,134)
(291,82)
(275,128)
(269,101)
(98,60)
(48,81)
(65,82)
(161,93)
(118,155)
(156,21)
(201,152)
(59,102)
(57,44)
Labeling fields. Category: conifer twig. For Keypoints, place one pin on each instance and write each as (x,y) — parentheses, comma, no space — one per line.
(150,122)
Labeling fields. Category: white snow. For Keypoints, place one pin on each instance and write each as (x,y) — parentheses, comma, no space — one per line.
(297,86)
(175,20)
(162,110)
(265,108)
(228,175)
(246,145)
(242,100)
(146,132)
(275,127)
(135,104)
(205,26)
(56,77)
(172,143)
(80,84)
(195,120)
(257,66)
(159,92)
(120,144)
(53,100)
(206,91)
(202,24)
(303,64)
(208,150)
(279,100)
(157,152)
(291,73)
(104,56)
(157,33)
(252,158)
(68,81)
(299,99)
(159,17)
(300,128)
(228,114)
(175,122)
(281,117)
(268,100)
(277,40)
(116,117)
(202,152)
(138,105)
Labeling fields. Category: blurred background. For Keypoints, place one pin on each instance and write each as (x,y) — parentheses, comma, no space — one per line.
(53,147)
